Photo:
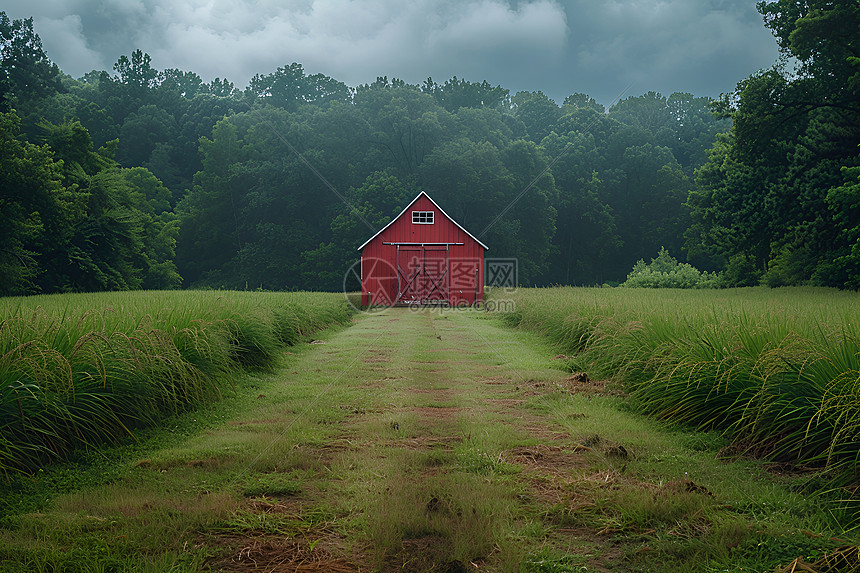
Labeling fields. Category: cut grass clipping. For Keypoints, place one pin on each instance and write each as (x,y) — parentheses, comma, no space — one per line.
(77,371)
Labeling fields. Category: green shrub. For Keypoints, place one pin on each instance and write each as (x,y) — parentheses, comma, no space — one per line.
(665,271)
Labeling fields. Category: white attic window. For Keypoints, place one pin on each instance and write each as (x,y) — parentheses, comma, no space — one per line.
(422,217)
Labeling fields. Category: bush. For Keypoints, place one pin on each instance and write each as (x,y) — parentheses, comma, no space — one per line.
(665,271)
(741,272)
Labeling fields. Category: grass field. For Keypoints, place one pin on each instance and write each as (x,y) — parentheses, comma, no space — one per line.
(77,371)
(419,442)
(777,371)
(427,441)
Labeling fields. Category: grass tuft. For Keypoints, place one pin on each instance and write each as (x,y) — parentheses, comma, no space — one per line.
(77,371)
(776,373)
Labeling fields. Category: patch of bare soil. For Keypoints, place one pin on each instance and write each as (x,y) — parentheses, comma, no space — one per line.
(580,383)
(353,411)
(549,470)
(611,554)
(437,413)
(427,554)
(505,401)
(426,442)
(376,356)
(271,554)
(545,433)
(317,458)
(255,422)
(536,387)
(494,380)
(441,393)
(291,506)
(576,383)
(549,459)
(606,447)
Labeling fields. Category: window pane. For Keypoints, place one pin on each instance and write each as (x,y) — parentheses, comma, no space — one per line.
(422,217)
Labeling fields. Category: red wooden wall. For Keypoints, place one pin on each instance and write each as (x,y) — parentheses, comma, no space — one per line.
(454,272)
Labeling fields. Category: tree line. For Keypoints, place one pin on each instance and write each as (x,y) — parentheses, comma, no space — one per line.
(146,178)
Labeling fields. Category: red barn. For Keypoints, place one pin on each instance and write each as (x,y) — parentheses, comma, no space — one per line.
(422,256)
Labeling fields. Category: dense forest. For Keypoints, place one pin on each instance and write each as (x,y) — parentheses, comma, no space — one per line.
(145,178)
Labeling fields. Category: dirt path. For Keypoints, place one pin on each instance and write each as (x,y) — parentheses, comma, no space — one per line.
(441,462)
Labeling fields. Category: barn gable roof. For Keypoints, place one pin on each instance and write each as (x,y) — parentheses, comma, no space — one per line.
(486,248)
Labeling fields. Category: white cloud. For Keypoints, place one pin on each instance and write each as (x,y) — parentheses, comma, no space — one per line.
(64,42)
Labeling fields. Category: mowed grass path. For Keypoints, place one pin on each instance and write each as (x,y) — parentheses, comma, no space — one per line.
(427,441)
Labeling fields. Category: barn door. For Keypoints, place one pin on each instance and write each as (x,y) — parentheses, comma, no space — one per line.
(423,273)
(409,265)
(435,274)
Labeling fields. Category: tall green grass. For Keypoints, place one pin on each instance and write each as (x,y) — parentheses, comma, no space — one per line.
(778,371)
(81,370)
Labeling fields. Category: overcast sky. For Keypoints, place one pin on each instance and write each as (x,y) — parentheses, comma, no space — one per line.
(605,48)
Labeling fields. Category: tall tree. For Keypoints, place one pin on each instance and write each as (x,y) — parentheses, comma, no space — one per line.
(406,125)
(580,100)
(137,72)
(457,93)
(538,112)
(794,139)
(35,208)
(25,70)
(288,87)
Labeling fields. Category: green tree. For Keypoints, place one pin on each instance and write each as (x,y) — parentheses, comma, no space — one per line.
(484,188)
(25,70)
(648,201)
(143,131)
(587,238)
(583,101)
(648,112)
(288,87)
(210,237)
(137,72)
(221,88)
(368,208)
(116,231)
(844,204)
(459,93)
(186,84)
(406,126)
(537,111)
(35,208)
(682,122)
(774,194)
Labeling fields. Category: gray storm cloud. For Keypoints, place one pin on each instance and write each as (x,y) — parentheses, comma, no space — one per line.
(703,47)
